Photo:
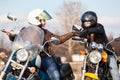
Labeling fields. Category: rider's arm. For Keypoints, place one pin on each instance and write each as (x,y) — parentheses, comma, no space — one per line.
(62,38)
(97,29)
(65,37)
(11,35)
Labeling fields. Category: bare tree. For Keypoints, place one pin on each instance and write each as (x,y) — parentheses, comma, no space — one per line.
(69,14)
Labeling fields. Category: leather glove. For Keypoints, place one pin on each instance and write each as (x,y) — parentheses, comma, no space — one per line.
(82,33)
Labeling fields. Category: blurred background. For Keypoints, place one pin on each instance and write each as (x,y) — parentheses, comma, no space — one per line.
(65,13)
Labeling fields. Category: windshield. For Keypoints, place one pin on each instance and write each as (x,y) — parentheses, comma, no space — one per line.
(28,36)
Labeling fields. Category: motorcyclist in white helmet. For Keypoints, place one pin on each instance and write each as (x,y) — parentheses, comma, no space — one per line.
(37,18)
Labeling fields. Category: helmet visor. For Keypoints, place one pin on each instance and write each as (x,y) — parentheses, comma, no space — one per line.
(44,15)
(37,14)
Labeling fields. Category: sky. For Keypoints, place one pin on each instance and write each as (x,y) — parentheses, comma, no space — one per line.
(108,11)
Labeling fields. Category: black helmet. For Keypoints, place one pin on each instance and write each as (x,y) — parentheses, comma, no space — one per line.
(89,16)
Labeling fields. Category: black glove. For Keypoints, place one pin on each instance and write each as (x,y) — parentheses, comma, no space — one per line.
(82,33)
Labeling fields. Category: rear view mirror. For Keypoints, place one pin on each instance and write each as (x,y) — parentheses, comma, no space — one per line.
(77,27)
(55,40)
(11,17)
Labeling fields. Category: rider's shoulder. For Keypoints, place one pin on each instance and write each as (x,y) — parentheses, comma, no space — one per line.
(46,31)
(99,25)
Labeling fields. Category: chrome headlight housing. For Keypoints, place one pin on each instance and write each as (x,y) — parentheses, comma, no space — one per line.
(93,45)
(22,55)
(100,46)
(95,57)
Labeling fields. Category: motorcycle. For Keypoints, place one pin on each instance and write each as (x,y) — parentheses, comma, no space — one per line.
(25,50)
(95,63)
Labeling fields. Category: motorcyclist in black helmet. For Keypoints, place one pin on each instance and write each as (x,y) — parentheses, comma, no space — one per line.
(90,25)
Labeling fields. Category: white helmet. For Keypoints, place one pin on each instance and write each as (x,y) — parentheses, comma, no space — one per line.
(37,14)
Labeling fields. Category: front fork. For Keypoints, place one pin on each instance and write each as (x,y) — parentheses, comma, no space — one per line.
(84,68)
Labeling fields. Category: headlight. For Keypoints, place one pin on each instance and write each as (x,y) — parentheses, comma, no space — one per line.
(95,56)
(22,55)
(93,44)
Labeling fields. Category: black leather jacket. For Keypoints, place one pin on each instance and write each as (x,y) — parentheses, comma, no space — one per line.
(99,32)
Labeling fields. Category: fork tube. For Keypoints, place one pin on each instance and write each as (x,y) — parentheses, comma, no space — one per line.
(97,66)
(24,67)
(84,68)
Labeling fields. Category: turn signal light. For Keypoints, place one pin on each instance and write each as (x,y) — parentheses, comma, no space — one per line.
(104,56)
(82,52)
